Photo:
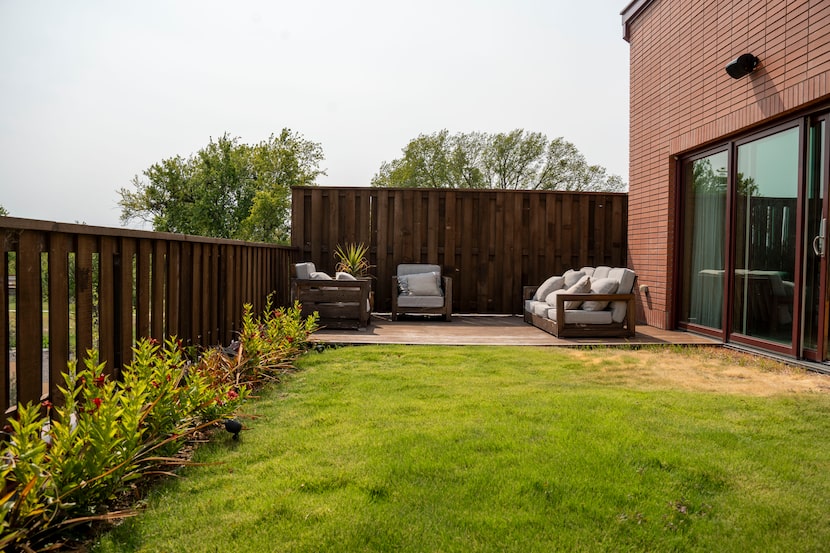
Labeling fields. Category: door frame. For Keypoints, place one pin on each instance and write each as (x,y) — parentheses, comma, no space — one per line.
(820,354)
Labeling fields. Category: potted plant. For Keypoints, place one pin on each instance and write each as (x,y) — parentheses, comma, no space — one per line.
(351,259)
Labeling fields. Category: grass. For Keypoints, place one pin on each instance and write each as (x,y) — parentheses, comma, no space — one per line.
(394,448)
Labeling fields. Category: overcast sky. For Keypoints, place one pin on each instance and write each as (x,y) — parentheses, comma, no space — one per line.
(94,92)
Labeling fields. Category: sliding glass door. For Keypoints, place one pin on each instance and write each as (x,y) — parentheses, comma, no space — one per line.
(755,241)
(766,237)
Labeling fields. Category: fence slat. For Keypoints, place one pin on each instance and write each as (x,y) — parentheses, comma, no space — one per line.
(84,307)
(29,318)
(5,308)
(107,305)
(59,247)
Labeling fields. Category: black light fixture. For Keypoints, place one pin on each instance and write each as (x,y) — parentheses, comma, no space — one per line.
(742,65)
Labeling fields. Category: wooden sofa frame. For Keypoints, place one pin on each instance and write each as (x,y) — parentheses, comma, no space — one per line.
(341,304)
(561,329)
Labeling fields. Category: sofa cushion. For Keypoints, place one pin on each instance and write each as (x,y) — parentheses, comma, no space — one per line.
(618,310)
(572,277)
(580,316)
(601,272)
(539,308)
(421,284)
(625,277)
(550,285)
(600,286)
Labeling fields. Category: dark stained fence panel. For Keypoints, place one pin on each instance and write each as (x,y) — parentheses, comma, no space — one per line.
(76,287)
(491,242)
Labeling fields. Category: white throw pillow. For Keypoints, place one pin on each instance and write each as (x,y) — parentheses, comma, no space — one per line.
(552,284)
(320,275)
(340,275)
(600,286)
(583,286)
(423,284)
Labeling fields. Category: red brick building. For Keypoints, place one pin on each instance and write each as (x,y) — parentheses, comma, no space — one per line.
(729,173)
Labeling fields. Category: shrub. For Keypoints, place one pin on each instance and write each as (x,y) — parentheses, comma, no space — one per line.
(63,465)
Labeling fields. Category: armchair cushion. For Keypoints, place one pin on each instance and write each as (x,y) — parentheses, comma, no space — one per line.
(421,284)
(304,270)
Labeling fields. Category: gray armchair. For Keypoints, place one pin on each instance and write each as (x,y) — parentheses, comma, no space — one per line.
(419,288)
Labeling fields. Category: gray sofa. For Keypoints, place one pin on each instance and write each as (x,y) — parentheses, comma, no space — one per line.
(588,302)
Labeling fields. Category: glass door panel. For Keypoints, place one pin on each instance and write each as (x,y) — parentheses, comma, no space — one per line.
(704,238)
(766,237)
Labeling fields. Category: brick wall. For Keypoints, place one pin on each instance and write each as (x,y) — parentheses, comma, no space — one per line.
(682,99)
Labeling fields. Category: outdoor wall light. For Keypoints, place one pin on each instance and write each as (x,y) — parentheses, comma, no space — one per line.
(742,65)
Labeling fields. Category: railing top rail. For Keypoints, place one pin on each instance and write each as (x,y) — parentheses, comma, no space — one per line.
(16,223)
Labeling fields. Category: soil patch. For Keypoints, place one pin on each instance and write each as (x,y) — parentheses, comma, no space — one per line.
(704,369)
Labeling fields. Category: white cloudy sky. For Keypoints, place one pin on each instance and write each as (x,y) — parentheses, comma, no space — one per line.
(94,92)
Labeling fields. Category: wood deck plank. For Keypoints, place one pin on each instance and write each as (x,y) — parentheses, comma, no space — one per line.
(505,330)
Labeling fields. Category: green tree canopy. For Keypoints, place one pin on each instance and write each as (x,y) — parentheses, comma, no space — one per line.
(227,189)
(508,161)
(3,211)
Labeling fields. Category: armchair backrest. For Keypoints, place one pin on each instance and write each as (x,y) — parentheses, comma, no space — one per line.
(417,268)
(304,270)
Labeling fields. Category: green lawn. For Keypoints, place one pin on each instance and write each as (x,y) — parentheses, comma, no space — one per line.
(507,449)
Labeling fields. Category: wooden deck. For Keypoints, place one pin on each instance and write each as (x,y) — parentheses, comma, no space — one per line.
(506,330)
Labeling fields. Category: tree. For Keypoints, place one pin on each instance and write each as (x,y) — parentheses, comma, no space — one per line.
(3,211)
(227,189)
(509,161)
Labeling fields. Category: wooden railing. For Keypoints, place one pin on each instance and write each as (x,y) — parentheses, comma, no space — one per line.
(490,242)
(67,288)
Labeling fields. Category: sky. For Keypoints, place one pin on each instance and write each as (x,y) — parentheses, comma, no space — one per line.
(93,92)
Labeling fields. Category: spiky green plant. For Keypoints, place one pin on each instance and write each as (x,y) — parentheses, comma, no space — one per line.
(352,259)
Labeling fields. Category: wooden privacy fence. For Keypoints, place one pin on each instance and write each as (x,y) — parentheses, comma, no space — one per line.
(492,242)
(67,288)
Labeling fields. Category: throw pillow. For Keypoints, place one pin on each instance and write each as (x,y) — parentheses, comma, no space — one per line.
(552,284)
(583,286)
(424,284)
(340,275)
(600,286)
(320,275)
